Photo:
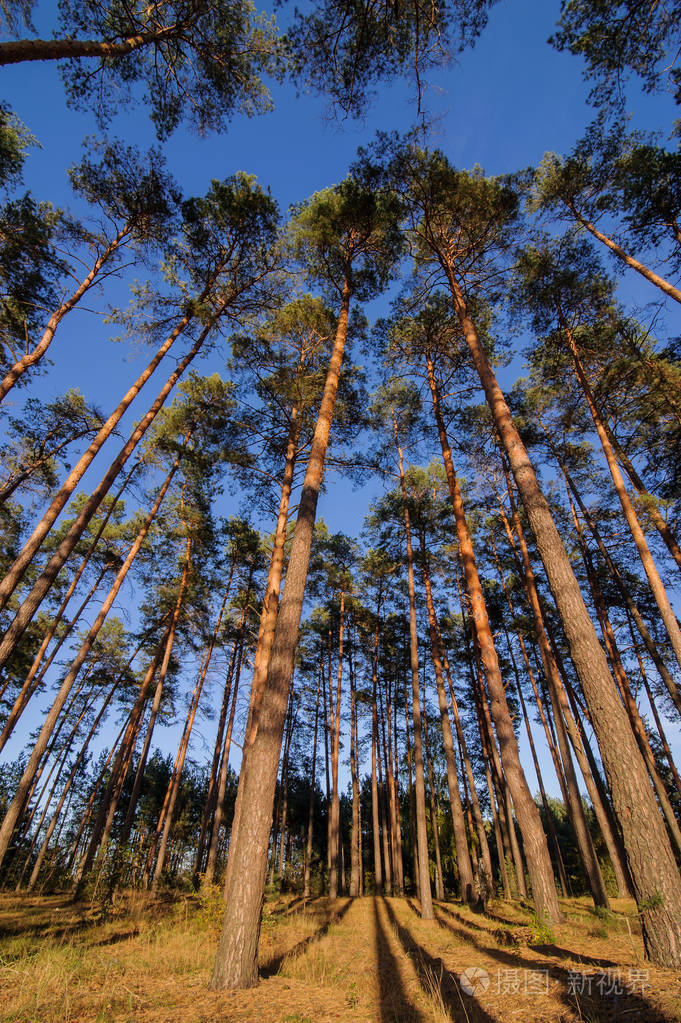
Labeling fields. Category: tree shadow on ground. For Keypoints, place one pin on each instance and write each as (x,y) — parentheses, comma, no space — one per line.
(394,1003)
(273,965)
(436,980)
(595,994)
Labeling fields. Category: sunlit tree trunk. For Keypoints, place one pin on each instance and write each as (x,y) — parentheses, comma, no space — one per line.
(419,780)
(26,781)
(236,962)
(651,862)
(313,785)
(462,854)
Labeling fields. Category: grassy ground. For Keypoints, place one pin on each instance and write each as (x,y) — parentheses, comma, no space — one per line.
(369,959)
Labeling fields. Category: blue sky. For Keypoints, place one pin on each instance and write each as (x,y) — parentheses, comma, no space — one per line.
(501,105)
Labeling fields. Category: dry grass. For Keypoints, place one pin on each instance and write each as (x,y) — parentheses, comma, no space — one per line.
(367,960)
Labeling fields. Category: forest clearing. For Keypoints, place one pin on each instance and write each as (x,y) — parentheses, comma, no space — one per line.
(340,511)
(369,959)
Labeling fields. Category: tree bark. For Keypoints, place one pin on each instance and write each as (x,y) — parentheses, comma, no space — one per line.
(42,586)
(463,859)
(313,785)
(355,859)
(14,808)
(20,50)
(651,862)
(529,820)
(626,258)
(236,962)
(30,359)
(334,718)
(375,813)
(656,585)
(419,780)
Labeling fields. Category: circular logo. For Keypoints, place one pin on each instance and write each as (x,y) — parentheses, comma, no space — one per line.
(474,980)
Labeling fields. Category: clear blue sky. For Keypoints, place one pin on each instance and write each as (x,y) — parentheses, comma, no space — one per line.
(502,105)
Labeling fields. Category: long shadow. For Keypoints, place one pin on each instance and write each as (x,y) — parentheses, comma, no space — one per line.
(273,965)
(115,939)
(434,977)
(565,953)
(452,912)
(507,937)
(582,992)
(394,1002)
(292,907)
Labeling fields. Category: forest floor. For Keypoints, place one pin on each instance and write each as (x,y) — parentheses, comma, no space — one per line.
(371,960)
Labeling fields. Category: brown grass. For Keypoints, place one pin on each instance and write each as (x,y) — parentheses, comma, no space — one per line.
(368,960)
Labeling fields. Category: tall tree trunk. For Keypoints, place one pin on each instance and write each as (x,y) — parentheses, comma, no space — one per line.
(463,859)
(313,785)
(270,606)
(559,701)
(33,880)
(413,841)
(651,862)
(16,572)
(14,808)
(630,704)
(334,718)
(211,795)
(626,257)
(650,645)
(355,859)
(34,356)
(655,712)
(651,506)
(529,820)
(485,857)
(601,809)
(419,780)
(656,585)
(212,862)
(32,683)
(439,883)
(375,811)
(236,962)
(20,50)
(43,584)
(105,818)
(550,824)
(29,687)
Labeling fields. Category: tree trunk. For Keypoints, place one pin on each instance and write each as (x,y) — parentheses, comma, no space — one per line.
(463,859)
(31,685)
(212,863)
(529,820)
(626,258)
(559,701)
(21,50)
(355,859)
(375,813)
(270,606)
(28,687)
(14,808)
(42,585)
(313,785)
(439,883)
(656,585)
(236,962)
(419,780)
(67,788)
(30,358)
(334,718)
(651,862)
(650,645)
